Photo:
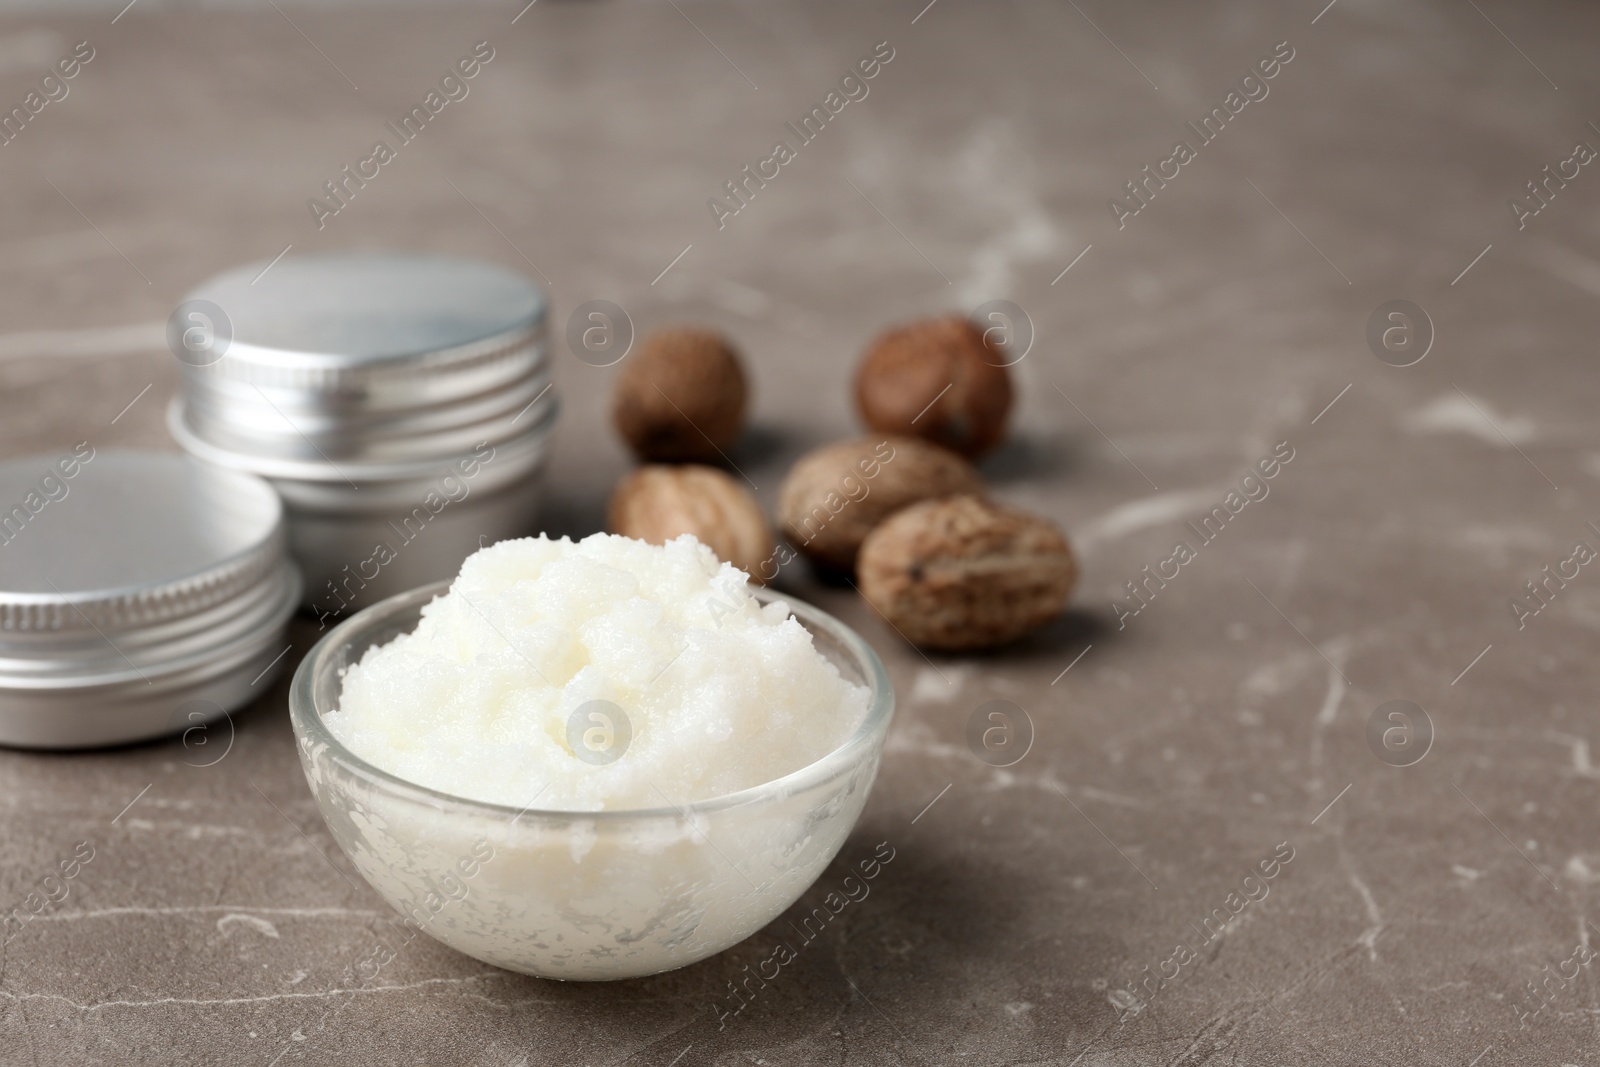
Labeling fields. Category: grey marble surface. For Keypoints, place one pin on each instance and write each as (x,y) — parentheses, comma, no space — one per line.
(1182,748)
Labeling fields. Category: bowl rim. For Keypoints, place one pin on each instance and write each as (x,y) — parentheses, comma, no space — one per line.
(306,720)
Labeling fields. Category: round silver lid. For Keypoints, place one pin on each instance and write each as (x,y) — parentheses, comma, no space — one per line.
(102,544)
(355,313)
(362,359)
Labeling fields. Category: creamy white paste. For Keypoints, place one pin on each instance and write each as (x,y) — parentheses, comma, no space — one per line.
(717,692)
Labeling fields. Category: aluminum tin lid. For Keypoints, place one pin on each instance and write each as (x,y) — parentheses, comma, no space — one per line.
(332,318)
(347,451)
(110,548)
(365,358)
(530,431)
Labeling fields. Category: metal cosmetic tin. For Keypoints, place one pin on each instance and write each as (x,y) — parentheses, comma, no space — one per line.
(140,593)
(400,405)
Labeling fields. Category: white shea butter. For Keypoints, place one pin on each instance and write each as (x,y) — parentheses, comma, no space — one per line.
(720,693)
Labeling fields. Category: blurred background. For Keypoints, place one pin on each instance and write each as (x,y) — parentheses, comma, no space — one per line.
(1174,346)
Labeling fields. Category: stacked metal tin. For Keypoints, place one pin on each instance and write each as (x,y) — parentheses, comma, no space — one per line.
(401,405)
(141,594)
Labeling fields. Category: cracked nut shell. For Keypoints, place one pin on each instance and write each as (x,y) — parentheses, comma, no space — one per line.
(681,398)
(964,573)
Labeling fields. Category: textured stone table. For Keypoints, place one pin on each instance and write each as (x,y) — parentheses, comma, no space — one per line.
(1181,749)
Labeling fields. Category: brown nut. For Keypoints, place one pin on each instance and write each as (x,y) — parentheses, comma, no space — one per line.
(964,573)
(836,494)
(681,398)
(936,379)
(658,503)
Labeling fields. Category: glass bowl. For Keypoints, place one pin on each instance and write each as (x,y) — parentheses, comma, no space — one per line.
(582,895)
